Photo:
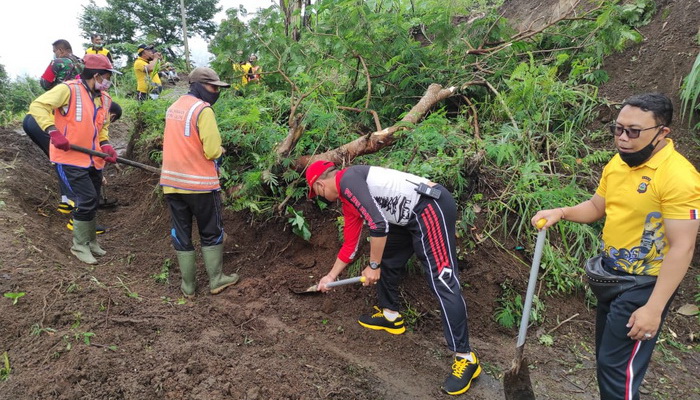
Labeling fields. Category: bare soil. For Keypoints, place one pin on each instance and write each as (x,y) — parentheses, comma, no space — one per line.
(112,331)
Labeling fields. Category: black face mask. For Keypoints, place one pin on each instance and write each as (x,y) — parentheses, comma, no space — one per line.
(199,91)
(638,157)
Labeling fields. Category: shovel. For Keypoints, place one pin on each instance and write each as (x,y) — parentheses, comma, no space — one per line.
(314,289)
(516,381)
(119,159)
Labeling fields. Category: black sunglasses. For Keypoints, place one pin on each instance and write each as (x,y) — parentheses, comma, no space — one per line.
(632,133)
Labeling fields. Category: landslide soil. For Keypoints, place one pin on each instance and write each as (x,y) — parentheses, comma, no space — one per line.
(112,331)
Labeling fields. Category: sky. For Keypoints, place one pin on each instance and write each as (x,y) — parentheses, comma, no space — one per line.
(28,28)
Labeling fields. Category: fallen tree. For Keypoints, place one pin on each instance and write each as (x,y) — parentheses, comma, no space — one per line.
(375,141)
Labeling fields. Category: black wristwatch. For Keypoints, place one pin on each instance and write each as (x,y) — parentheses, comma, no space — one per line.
(374,265)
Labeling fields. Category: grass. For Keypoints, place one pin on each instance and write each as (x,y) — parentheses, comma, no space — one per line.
(15,296)
(5,370)
(163,276)
(127,291)
(690,91)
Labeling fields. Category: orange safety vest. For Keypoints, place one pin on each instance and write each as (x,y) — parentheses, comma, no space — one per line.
(80,122)
(184,164)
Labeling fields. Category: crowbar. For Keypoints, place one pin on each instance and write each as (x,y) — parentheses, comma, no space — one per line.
(119,159)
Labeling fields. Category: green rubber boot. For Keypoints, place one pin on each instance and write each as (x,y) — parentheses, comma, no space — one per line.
(82,232)
(94,246)
(214,262)
(188,270)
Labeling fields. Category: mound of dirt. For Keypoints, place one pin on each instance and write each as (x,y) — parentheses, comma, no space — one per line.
(118,330)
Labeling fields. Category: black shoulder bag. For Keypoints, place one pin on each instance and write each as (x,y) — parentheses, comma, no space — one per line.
(607,285)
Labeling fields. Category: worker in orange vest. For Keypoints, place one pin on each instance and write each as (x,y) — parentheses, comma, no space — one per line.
(190,180)
(76,112)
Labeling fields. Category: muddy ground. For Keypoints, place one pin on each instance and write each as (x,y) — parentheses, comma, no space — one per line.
(112,331)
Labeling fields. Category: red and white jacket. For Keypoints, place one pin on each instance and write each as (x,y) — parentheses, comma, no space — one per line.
(375,195)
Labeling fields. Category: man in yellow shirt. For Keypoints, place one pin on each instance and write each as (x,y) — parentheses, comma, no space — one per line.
(649,195)
(248,70)
(146,67)
(98,47)
(76,113)
(190,180)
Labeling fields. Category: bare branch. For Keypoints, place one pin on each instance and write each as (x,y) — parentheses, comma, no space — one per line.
(369,81)
(529,32)
(503,103)
(377,124)
(477,135)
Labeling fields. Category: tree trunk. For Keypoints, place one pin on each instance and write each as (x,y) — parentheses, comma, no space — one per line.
(375,141)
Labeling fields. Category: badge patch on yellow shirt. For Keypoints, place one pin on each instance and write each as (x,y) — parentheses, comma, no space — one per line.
(642,188)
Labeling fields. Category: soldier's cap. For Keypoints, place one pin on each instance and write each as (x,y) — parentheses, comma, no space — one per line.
(206,75)
(99,61)
(143,47)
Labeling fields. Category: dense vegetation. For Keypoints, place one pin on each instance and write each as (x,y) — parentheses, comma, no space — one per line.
(517,136)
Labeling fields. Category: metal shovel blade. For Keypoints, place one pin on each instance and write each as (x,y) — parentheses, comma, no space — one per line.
(516,381)
(314,289)
(517,384)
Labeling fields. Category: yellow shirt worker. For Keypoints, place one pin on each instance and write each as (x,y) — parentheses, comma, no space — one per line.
(248,70)
(75,113)
(148,84)
(667,186)
(649,195)
(98,47)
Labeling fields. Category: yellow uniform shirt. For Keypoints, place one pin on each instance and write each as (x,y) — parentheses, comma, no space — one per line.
(247,71)
(637,200)
(102,51)
(243,70)
(43,107)
(211,142)
(143,79)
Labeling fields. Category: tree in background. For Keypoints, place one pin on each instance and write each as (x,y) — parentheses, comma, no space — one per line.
(297,14)
(115,24)
(124,22)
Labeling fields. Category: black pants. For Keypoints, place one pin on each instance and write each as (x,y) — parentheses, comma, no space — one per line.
(84,185)
(206,208)
(622,362)
(430,234)
(141,96)
(41,139)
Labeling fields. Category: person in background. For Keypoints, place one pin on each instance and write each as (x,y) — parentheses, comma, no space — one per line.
(77,113)
(248,70)
(146,68)
(98,47)
(168,73)
(406,214)
(64,66)
(649,195)
(190,180)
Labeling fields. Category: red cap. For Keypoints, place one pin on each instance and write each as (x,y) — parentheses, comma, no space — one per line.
(314,171)
(99,61)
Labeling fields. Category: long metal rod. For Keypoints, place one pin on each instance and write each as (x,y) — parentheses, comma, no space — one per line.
(345,281)
(532,282)
(119,159)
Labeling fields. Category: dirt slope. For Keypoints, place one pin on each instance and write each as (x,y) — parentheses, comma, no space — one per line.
(113,332)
